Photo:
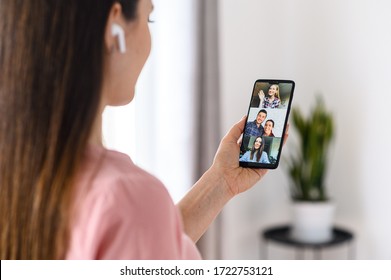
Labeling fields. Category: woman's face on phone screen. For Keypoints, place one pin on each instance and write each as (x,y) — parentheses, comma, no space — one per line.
(257,143)
(272,90)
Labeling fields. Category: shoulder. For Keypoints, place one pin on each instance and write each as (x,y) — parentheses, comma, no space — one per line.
(116,175)
(251,124)
(131,187)
(122,212)
(265,157)
(245,155)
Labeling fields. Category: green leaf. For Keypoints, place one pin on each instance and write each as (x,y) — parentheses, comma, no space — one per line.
(307,168)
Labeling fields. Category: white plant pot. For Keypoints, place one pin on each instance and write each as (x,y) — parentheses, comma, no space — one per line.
(312,221)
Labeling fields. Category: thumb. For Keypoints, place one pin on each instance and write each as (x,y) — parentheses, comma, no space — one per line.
(236,130)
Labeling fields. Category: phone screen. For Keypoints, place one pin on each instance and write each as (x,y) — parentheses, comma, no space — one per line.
(266,122)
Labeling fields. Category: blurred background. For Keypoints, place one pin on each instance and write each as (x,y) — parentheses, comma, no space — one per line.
(206,55)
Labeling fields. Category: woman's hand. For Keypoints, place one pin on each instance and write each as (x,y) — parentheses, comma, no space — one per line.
(226,163)
(222,181)
(261,94)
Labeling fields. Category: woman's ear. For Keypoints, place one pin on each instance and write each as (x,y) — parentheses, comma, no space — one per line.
(114,32)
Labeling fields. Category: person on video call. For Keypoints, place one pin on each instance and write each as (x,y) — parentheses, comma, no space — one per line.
(62,194)
(255,127)
(268,128)
(273,99)
(256,154)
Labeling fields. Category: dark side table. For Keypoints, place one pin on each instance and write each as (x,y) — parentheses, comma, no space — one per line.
(281,234)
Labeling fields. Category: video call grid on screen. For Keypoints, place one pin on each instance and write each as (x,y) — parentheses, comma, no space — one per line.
(279,114)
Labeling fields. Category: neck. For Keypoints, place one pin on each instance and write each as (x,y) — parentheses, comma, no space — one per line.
(96,133)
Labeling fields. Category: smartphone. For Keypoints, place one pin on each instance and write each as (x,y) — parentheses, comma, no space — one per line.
(267,117)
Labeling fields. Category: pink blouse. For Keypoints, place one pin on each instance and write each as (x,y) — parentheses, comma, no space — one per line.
(123,212)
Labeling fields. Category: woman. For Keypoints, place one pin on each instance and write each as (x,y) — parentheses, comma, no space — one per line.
(62,194)
(273,99)
(268,128)
(256,154)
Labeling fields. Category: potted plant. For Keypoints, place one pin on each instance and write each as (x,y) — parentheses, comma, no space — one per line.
(312,209)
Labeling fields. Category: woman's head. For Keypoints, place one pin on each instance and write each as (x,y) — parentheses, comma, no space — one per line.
(55,58)
(257,148)
(257,143)
(274,90)
(121,70)
(268,127)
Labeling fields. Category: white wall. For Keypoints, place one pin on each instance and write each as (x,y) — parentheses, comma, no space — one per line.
(341,49)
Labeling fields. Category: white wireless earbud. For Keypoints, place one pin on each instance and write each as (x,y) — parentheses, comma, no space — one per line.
(117,30)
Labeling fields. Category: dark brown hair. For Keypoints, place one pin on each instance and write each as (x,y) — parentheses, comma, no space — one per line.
(259,151)
(51,61)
